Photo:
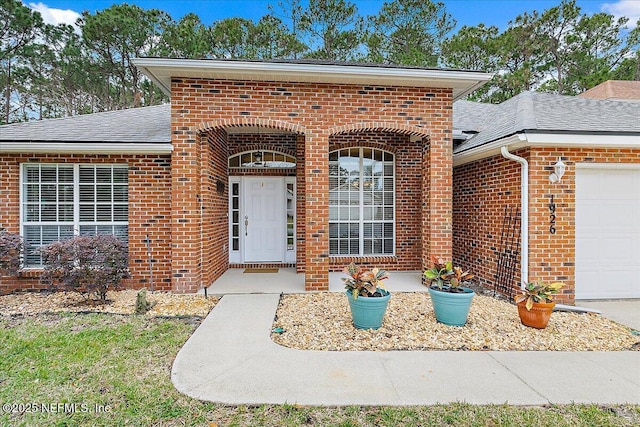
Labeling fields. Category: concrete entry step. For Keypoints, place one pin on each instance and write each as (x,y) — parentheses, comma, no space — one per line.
(288,281)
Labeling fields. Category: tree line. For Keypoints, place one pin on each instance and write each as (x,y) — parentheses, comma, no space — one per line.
(52,71)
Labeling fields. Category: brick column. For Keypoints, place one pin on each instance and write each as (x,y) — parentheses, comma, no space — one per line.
(186,272)
(300,204)
(316,172)
(437,179)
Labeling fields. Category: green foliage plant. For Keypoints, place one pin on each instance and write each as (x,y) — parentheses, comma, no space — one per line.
(445,276)
(538,292)
(363,282)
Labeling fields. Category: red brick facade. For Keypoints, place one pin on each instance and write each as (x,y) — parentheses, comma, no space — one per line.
(181,201)
(483,188)
(149,213)
(316,117)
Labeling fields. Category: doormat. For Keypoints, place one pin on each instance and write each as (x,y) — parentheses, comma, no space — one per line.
(260,270)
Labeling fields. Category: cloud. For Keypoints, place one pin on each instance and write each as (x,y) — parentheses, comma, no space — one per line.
(628,8)
(55,16)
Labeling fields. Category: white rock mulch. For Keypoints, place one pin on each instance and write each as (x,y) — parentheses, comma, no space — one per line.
(322,321)
(118,302)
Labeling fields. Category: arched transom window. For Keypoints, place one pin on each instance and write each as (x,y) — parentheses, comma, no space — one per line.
(262,159)
(361,202)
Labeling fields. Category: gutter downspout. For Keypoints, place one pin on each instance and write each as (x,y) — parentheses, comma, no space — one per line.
(524,209)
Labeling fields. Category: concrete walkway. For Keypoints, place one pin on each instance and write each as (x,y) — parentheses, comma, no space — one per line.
(231,359)
(622,311)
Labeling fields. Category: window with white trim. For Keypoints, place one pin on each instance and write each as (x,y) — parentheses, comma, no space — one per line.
(59,201)
(262,159)
(361,202)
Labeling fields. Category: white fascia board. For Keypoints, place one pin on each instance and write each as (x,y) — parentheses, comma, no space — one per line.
(544,139)
(165,87)
(160,70)
(491,149)
(584,139)
(85,148)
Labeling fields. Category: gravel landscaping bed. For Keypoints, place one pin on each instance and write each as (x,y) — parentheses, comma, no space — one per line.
(322,321)
(119,302)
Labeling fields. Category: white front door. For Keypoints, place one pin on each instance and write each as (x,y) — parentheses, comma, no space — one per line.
(263,221)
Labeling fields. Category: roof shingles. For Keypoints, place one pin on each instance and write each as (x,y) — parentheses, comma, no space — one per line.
(135,125)
(533,111)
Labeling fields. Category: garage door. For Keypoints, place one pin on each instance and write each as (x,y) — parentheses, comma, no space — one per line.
(607,231)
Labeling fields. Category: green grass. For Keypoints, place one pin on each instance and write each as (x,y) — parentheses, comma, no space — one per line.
(123,363)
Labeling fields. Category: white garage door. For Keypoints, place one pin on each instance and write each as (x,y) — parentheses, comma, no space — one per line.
(607,231)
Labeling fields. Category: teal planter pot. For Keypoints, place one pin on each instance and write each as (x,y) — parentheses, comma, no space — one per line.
(451,308)
(367,312)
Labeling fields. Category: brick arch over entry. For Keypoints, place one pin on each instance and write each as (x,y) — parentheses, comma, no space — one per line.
(264,147)
(379,127)
(250,122)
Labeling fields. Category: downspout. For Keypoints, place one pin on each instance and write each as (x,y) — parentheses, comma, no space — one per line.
(524,209)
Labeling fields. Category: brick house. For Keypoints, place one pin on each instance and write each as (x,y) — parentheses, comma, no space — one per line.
(253,163)
(583,229)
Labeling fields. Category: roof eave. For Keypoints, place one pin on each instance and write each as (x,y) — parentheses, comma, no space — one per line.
(489,149)
(32,147)
(161,70)
(536,138)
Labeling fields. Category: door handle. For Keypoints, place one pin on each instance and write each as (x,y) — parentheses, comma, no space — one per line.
(246,225)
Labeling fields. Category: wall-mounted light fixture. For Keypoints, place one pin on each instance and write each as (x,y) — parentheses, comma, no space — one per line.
(257,158)
(558,171)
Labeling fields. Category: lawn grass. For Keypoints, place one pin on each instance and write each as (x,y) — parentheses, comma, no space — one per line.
(116,371)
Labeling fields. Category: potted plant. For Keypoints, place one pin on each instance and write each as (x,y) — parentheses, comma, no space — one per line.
(535,303)
(368,299)
(451,302)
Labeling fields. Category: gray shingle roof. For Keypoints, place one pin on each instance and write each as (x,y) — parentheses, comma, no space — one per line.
(528,111)
(543,112)
(135,125)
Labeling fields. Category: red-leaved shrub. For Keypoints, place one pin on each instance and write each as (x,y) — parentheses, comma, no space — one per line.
(86,264)
(10,252)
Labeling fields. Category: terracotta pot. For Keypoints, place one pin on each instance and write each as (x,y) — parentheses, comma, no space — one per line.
(539,315)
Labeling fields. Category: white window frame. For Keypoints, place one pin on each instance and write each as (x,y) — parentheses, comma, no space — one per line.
(264,164)
(76,223)
(361,221)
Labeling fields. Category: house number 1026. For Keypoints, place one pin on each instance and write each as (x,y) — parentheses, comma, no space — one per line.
(552,216)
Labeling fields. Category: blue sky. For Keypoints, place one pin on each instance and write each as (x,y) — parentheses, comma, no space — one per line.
(466,12)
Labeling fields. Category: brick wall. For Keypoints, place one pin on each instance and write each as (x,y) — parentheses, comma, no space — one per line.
(180,208)
(552,256)
(301,206)
(483,188)
(215,225)
(313,112)
(149,213)
(481,192)
(281,142)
